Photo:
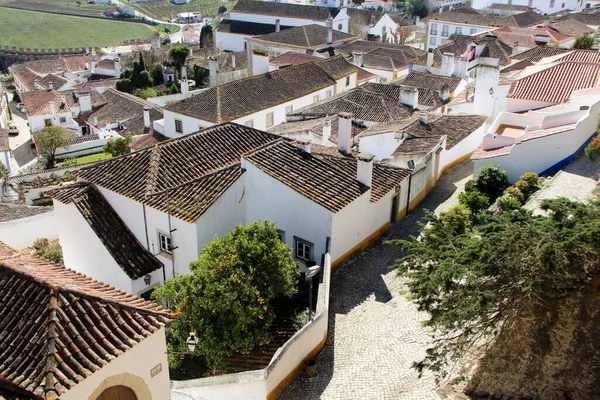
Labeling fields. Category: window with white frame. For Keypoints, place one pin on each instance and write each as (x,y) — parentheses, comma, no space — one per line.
(347,81)
(458,30)
(289,109)
(433,29)
(269,119)
(63,120)
(445,30)
(432,41)
(328,93)
(164,241)
(315,98)
(303,250)
(249,123)
(178,126)
(551,3)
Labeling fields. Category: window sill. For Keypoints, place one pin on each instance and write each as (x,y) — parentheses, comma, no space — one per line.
(168,256)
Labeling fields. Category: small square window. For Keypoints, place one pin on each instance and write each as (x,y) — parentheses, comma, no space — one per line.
(445,30)
(281,235)
(249,123)
(432,41)
(289,110)
(165,243)
(315,98)
(48,122)
(433,29)
(63,120)
(269,120)
(347,81)
(178,126)
(303,249)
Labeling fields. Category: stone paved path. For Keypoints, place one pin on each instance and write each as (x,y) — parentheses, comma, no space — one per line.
(374,331)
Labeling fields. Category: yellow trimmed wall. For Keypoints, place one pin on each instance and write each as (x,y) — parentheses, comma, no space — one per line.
(362,245)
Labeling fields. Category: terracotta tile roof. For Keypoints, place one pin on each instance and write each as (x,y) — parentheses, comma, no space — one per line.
(509,7)
(58,327)
(428,80)
(246,96)
(247,28)
(189,201)
(37,102)
(427,97)
(585,56)
(57,81)
(328,181)
(364,105)
(587,17)
(4,144)
(313,126)
(368,46)
(572,27)
(361,18)
(27,77)
(307,36)
(527,36)
(58,65)
(114,234)
(537,53)
(517,65)
(469,16)
(454,127)
(98,83)
(285,10)
(363,75)
(10,212)
(458,44)
(125,108)
(565,78)
(381,63)
(187,158)
(148,140)
(336,67)
(107,63)
(291,58)
(481,154)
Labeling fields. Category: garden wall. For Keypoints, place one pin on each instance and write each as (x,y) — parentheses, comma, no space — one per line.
(270,382)
(21,233)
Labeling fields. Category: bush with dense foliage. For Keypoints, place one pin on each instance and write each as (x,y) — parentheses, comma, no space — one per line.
(528,184)
(491,181)
(227,298)
(48,251)
(473,282)
(508,202)
(119,146)
(145,93)
(592,150)
(516,193)
(474,201)
(584,42)
(124,85)
(48,141)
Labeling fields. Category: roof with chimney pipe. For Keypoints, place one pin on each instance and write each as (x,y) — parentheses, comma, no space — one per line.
(242,97)
(427,97)
(313,126)
(285,10)
(470,16)
(228,61)
(247,28)
(365,105)
(537,53)
(428,80)
(329,181)
(361,18)
(367,46)
(308,36)
(38,102)
(56,81)
(127,109)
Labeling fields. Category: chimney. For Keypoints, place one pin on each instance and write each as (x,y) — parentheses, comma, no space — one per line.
(213,66)
(95,121)
(409,96)
(185,90)
(260,62)
(326,130)
(85,102)
(447,64)
(364,169)
(50,85)
(430,58)
(63,100)
(424,119)
(52,108)
(304,145)
(345,132)
(357,59)
(117,67)
(277,25)
(233,61)
(94,63)
(36,83)
(329,26)
(417,19)
(183,72)
(147,117)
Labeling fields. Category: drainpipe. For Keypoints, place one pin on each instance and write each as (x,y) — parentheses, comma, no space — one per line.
(408,194)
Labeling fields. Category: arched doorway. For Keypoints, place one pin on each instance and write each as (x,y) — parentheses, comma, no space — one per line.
(118,392)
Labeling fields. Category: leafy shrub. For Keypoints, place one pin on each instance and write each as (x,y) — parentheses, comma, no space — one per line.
(145,93)
(529,183)
(458,219)
(40,244)
(508,202)
(492,181)
(124,85)
(68,177)
(300,319)
(49,251)
(475,201)
(592,150)
(516,193)
(471,185)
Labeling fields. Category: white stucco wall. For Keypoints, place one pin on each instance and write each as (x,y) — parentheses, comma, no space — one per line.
(138,361)
(465,29)
(542,5)
(340,18)
(23,232)
(463,148)
(36,122)
(517,105)
(381,146)
(300,217)
(231,41)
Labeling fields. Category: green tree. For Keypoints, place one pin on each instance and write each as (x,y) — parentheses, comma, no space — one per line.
(227,298)
(491,181)
(206,36)
(516,193)
(528,184)
(157,74)
(3,171)
(179,54)
(124,85)
(145,80)
(475,201)
(118,147)
(418,8)
(508,202)
(48,141)
(592,150)
(584,42)
(475,283)
(174,89)
(145,93)
(16,98)
(201,76)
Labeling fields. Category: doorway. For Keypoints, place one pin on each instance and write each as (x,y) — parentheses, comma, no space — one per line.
(117,393)
(394,212)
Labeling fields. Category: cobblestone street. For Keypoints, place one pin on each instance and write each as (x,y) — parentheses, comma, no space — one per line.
(374,331)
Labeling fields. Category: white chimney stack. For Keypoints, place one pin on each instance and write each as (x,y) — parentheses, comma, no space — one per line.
(357,59)
(409,96)
(447,64)
(277,25)
(326,131)
(147,117)
(345,132)
(52,108)
(85,102)
(117,67)
(303,144)
(63,99)
(185,90)
(233,61)
(183,72)
(50,85)
(329,26)
(260,62)
(430,58)
(213,67)
(364,169)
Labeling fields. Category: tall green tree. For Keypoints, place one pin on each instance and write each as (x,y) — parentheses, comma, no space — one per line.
(201,76)
(226,300)
(119,146)
(48,140)
(475,280)
(179,55)
(584,42)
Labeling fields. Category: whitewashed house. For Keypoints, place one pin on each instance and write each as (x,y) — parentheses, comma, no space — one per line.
(107,66)
(260,101)
(372,25)
(47,108)
(75,338)
(544,7)
(241,175)
(21,225)
(541,141)
(71,68)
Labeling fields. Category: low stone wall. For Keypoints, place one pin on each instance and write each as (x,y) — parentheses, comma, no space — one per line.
(270,382)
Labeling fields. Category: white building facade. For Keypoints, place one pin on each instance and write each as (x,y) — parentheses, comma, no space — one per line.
(542,6)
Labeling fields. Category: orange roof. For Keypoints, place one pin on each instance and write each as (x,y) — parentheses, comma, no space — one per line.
(37,102)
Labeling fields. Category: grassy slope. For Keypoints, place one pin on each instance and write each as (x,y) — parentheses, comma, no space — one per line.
(42,30)
(165,10)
